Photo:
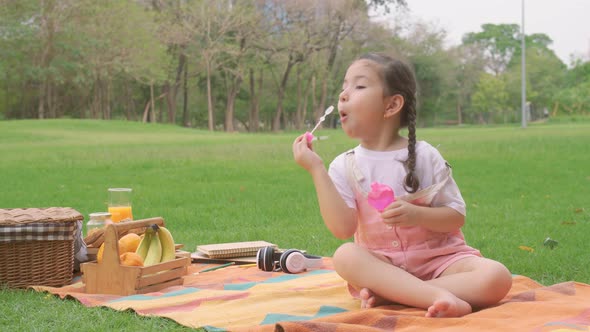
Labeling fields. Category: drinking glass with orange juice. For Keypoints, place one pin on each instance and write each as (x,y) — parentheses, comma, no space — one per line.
(120,204)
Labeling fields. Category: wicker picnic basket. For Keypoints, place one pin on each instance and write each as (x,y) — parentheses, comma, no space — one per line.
(37,246)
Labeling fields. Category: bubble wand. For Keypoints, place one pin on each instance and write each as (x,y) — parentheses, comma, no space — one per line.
(309,134)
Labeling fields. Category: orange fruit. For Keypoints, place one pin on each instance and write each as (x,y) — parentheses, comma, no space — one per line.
(131,259)
(129,243)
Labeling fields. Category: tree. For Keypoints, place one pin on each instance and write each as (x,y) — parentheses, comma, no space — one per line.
(339,19)
(490,97)
(119,39)
(544,73)
(424,47)
(293,38)
(573,101)
(386,4)
(351,33)
(212,31)
(255,88)
(579,73)
(574,98)
(468,68)
(39,30)
(16,43)
(259,64)
(239,55)
(498,44)
(169,19)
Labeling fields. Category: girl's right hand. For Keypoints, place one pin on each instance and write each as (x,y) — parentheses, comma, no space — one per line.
(304,155)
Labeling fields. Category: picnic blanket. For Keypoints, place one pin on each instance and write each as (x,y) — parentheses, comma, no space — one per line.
(246,299)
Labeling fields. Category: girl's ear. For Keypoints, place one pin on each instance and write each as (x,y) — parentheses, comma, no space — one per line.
(394,105)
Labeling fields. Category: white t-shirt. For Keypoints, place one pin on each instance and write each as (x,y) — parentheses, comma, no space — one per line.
(387,167)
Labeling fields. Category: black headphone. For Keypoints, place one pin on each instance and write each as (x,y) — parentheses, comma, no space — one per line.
(289,261)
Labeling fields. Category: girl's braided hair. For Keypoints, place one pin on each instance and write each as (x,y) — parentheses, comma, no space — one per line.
(398,78)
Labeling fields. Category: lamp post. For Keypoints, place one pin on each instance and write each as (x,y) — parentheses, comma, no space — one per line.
(523,71)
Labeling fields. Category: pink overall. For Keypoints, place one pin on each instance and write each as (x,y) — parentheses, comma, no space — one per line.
(421,252)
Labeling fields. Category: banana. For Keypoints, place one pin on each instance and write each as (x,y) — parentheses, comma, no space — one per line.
(154,254)
(144,244)
(168,248)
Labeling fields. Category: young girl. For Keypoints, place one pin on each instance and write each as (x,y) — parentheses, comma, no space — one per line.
(413,252)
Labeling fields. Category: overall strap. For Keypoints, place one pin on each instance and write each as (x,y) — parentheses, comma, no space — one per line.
(353,173)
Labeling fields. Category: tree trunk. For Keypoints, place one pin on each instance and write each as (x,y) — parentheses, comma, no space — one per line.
(305,99)
(210,113)
(146,109)
(7,85)
(322,106)
(231,101)
(41,106)
(254,101)
(152,104)
(481,118)
(252,126)
(299,112)
(47,31)
(555,109)
(47,28)
(107,100)
(173,89)
(314,101)
(129,114)
(101,98)
(333,51)
(276,122)
(167,89)
(51,101)
(96,98)
(459,112)
(185,114)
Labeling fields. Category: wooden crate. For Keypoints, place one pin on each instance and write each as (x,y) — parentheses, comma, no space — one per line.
(110,277)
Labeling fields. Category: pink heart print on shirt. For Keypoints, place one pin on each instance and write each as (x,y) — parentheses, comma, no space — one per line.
(380,196)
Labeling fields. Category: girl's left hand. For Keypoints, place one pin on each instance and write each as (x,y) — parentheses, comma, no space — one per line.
(400,213)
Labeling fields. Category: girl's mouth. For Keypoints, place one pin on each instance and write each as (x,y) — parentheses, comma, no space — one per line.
(343,116)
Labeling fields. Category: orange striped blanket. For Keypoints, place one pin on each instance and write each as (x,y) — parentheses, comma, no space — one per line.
(247,299)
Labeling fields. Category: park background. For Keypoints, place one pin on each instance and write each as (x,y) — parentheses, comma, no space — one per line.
(165,97)
(263,65)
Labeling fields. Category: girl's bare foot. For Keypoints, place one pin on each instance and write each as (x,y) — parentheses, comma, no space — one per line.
(370,299)
(449,306)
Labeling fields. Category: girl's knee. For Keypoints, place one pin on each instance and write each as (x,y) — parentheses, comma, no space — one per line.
(345,257)
(499,281)
(504,277)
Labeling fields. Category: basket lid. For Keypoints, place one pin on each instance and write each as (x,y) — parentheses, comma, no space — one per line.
(39,215)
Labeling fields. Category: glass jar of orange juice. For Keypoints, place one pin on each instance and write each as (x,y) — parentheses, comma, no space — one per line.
(119,205)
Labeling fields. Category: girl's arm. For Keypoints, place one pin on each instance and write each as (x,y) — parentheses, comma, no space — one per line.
(340,219)
(437,219)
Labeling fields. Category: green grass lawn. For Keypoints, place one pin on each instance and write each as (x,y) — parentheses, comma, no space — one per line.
(520,185)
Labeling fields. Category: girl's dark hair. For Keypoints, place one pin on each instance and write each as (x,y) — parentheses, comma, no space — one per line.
(398,78)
